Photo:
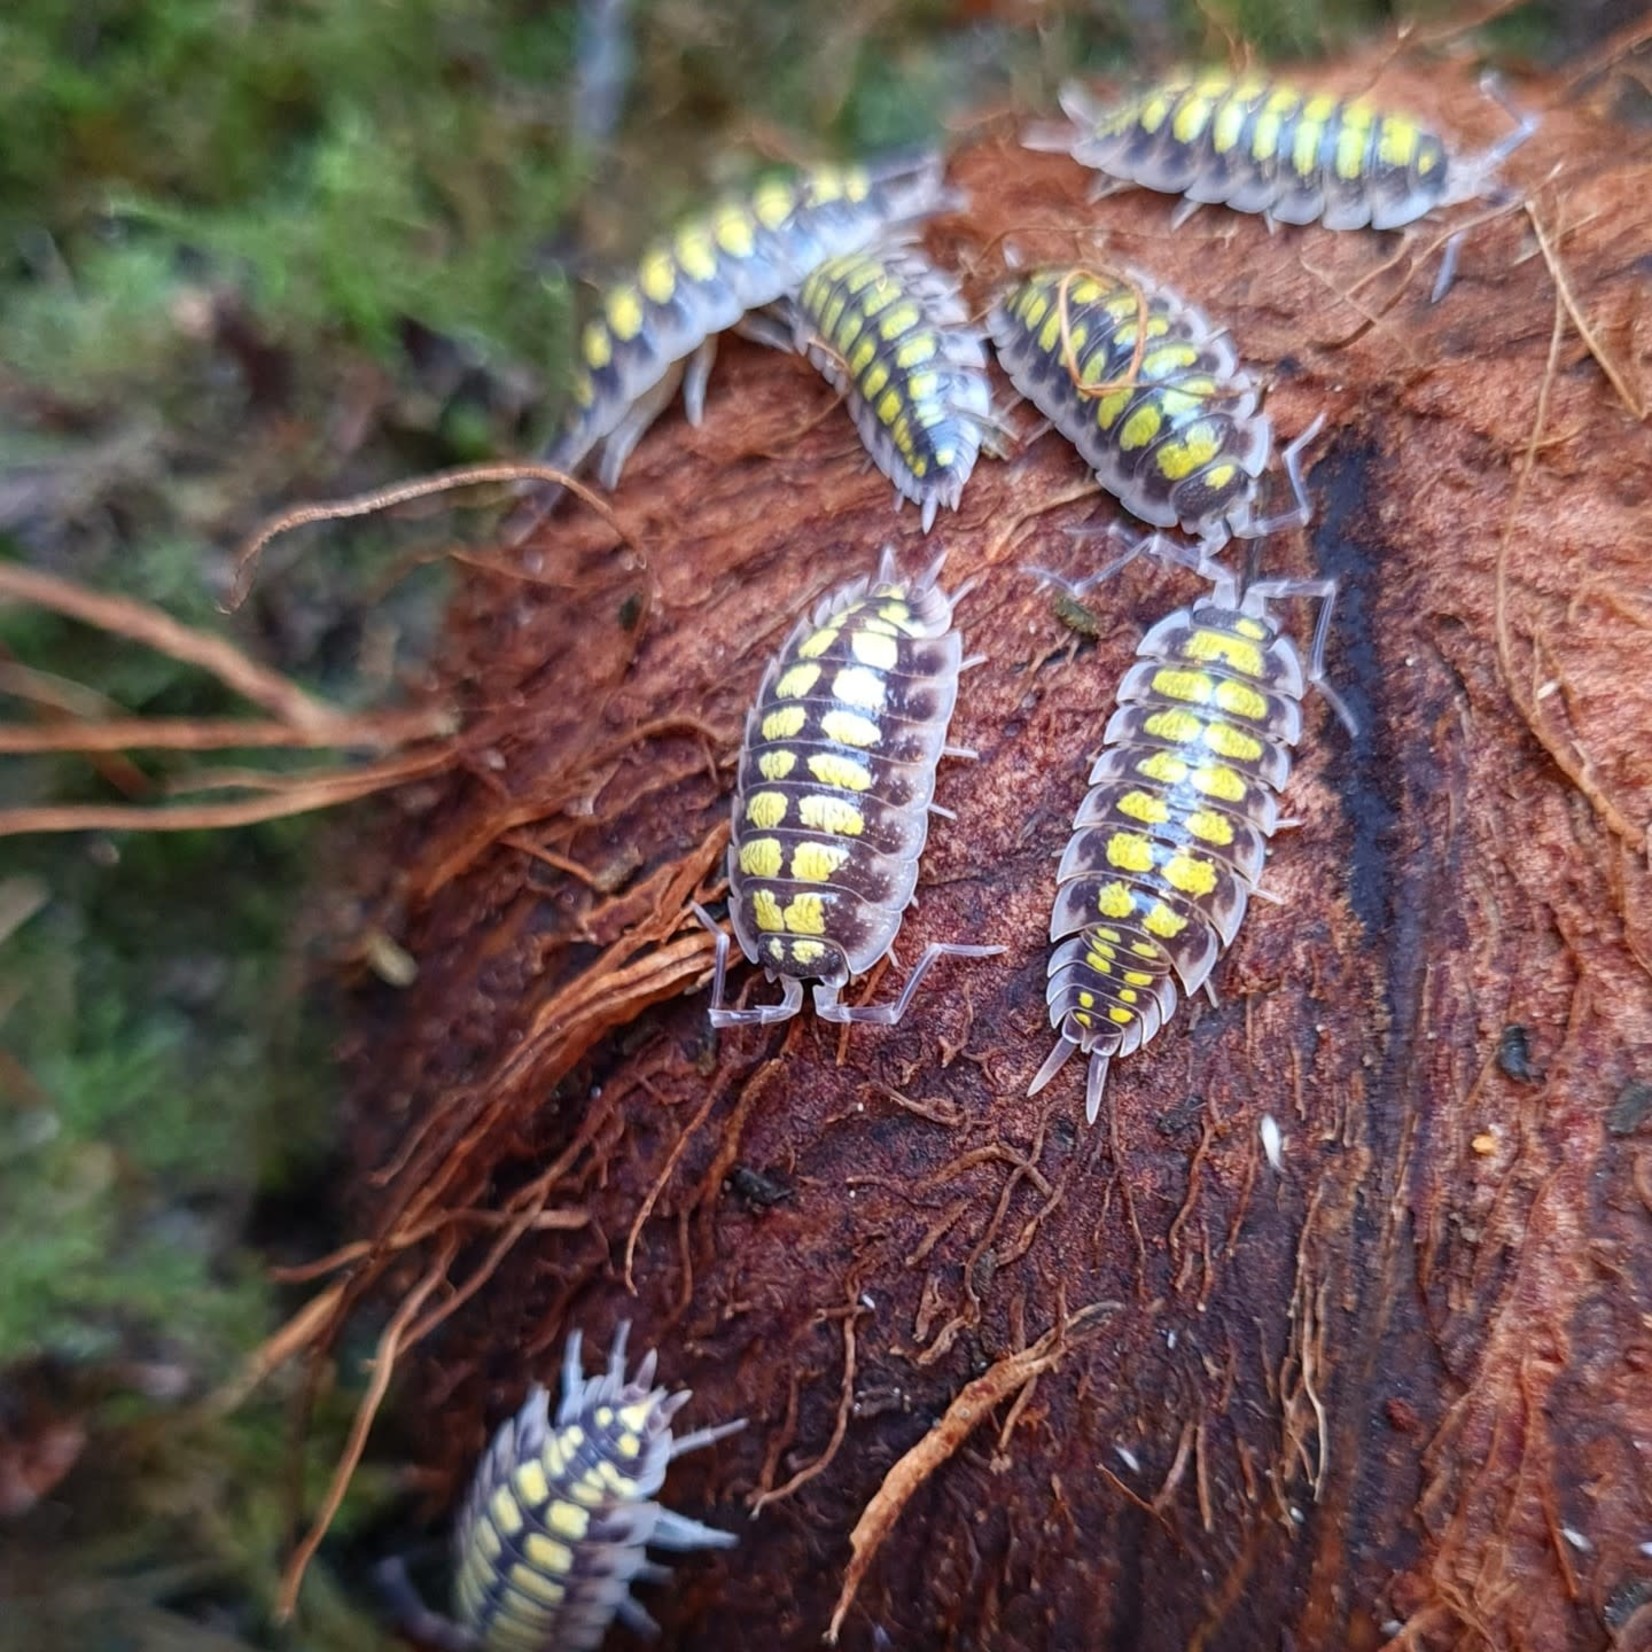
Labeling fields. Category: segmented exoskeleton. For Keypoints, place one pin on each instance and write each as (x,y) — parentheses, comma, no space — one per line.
(560,1515)
(1169,843)
(1296,157)
(658,328)
(890,331)
(835,789)
(1151,394)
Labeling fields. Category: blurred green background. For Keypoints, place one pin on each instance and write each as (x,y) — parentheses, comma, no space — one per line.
(254,251)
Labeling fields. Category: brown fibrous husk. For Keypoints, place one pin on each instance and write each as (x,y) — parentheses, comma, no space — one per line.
(1397,1391)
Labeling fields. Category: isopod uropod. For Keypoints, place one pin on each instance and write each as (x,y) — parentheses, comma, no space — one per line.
(1152,395)
(834,794)
(560,1514)
(1169,842)
(890,331)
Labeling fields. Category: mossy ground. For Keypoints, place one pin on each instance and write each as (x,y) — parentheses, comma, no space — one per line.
(248,254)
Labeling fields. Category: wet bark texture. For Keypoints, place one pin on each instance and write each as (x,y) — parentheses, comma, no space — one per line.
(1398,1392)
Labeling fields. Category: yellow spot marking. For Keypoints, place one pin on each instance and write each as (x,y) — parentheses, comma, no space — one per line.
(734,231)
(877,626)
(1119,1016)
(831,313)
(597,346)
(696,256)
(1154,112)
(896,612)
(807,952)
(1429,158)
(1050,334)
(1166,359)
(1210,827)
(1128,995)
(504,1512)
(816,862)
(1218,476)
(1230,123)
(812,647)
(585,393)
(872,382)
(1035,304)
(1192,686)
(1141,427)
(531,1483)
(1233,743)
(765,810)
(604,1416)
(832,769)
(773,202)
(805,915)
(797,682)
(1144,806)
(1351,142)
(848,728)
(1191,118)
(488,1541)
(1115,900)
(1264,137)
(889,406)
(568,1520)
(1082,1018)
(1164,923)
(1397,141)
(658,276)
(857,184)
(879,652)
(1130,852)
(1180,728)
(901,319)
(1248,627)
(1109,407)
(832,814)
(1138,978)
(553,1456)
(776,765)
(547,1554)
(784,723)
(625,313)
(1087,1000)
(1102,965)
(857,686)
(547,1591)
(916,351)
(766,910)
(1217,646)
(922,387)
(1164,766)
(1085,290)
(761,857)
(1241,700)
(1190,874)
(1198,446)
(1216,781)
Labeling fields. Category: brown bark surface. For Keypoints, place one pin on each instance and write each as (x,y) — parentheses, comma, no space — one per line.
(1399,1392)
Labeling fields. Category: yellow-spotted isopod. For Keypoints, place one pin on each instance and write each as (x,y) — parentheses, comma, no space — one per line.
(561,1514)
(836,785)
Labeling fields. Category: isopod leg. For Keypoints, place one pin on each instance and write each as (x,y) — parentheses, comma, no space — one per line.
(696,376)
(1324,592)
(829,1008)
(1302,510)
(759,1015)
(1094,1083)
(410,1614)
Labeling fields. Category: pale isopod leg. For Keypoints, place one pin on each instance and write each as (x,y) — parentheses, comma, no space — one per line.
(1301,511)
(696,376)
(623,438)
(1324,592)
(412,1616)
(1448,268)
(829,1008)
(759,1015)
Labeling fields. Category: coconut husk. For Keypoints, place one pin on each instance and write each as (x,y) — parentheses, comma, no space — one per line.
(1012,1381)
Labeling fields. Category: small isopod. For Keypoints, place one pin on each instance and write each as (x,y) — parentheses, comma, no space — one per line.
(1296,157)
(891,331)
(657,329)
(560,1516)
(1152,395)
(1170,841)
(836,785)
